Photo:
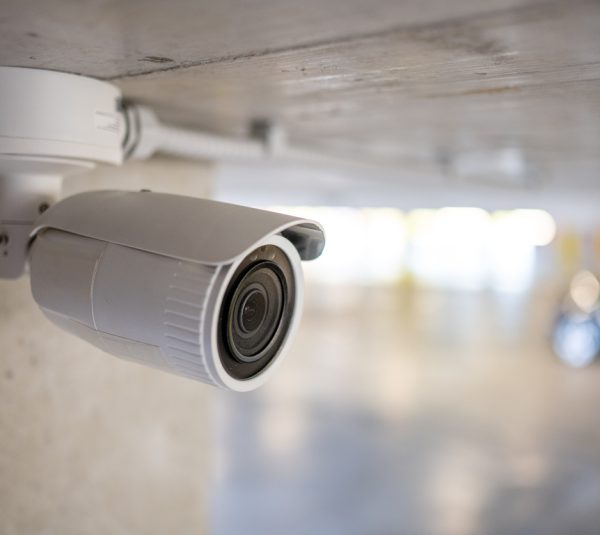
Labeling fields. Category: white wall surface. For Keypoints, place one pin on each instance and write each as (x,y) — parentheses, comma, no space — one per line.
(90,444)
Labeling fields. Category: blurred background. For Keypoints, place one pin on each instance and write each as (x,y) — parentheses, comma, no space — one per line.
(424,395)
(445,376)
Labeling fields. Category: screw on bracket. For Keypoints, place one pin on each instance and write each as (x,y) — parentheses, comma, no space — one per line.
(4,239)
(43,207)
(270,134)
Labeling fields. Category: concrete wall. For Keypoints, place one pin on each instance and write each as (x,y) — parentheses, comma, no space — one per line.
(90,444)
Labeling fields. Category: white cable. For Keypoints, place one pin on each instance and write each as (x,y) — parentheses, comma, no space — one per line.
(149,136)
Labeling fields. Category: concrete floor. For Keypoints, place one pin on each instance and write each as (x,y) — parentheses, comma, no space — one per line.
(413,412)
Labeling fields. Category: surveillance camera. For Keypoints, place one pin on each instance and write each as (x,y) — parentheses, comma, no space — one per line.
(204,289)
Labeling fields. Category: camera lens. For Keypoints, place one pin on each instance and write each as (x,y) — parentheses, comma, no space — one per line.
(256,312)
(253,310)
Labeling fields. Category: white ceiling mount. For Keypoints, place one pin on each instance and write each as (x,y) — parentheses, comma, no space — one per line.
(48,113)
(52,125)
(55,124)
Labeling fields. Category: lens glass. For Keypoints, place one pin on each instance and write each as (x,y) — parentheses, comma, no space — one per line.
(256,312)
(253,310)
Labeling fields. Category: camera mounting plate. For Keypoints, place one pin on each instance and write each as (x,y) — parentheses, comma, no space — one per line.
(53,125)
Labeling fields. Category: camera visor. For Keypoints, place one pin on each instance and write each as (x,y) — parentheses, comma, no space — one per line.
(256,312)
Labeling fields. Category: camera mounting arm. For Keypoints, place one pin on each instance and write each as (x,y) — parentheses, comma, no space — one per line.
(51,125)
(147,135)
(56,124)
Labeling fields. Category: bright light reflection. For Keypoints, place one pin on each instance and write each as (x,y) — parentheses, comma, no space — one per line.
(585,291)
(511,254)
(535,226)
(447,246)
(459,248)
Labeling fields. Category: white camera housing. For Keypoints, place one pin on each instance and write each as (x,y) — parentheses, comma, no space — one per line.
(144,276)
(150,277)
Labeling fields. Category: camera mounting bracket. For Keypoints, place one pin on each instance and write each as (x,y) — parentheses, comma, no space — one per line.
(53,125)
(56,124)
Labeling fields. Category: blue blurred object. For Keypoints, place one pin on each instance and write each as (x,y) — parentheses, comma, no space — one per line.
(576,338)
(576,333)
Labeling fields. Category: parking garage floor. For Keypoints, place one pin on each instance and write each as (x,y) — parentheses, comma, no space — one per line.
(412,411)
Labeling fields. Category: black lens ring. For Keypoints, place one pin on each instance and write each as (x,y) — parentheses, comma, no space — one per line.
(256,346)
(278,261)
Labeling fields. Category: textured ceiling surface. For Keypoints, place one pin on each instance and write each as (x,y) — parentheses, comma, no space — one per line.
(501,90)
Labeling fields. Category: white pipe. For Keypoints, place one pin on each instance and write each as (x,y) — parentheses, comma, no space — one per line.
(147,136)
(179,142)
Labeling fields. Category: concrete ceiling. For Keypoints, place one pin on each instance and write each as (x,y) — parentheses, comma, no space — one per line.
(500,91)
